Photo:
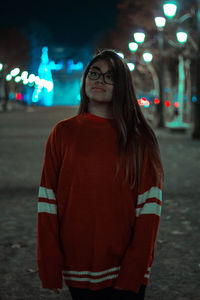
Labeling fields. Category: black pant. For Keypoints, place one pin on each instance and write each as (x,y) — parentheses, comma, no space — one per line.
(109,293)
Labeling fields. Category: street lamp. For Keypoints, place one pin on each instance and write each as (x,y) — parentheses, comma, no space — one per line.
(8,77)
(1,66)
(170,9)
(160,22)
(17,79)
(15,72)
(24,75)
(31,78)
(139,37)
(131,66)
(147,56)
(182,37)
(133,46)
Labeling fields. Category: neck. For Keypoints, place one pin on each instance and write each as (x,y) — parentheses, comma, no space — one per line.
(104,111)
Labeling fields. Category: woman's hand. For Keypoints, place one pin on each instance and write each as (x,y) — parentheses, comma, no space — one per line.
(56,291)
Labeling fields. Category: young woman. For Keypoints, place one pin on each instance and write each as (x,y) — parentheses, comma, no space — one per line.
(100,200)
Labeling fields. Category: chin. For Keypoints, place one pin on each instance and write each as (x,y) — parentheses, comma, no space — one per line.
(102,100)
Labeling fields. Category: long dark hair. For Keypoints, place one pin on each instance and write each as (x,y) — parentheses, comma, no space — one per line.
(134,133)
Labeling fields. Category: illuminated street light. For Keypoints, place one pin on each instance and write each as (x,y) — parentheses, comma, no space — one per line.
(1,67)
(170,9)
(160,22)
(133,46)
(15,72)
(8,77)
(31,78)
(24,75)
(147,56)
(17,79)
(25,81)
(139,37)
(131,66)
(182,37)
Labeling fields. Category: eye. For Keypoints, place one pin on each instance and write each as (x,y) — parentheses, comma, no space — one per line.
(93,74)
(109,76)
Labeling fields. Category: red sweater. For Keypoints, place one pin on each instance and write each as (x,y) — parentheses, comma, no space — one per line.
(93,231)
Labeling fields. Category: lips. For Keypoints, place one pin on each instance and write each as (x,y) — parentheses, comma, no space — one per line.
(98,88)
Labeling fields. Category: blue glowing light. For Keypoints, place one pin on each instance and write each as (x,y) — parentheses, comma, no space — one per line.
(194,99)
(44,89)
(71,66)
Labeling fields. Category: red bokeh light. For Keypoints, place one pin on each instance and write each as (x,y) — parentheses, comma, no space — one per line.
(19,96)
(176,104)
(156,101)
(167,103)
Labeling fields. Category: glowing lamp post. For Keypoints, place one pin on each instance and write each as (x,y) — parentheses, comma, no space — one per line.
(160,22)
(17,79)
(15,72)
(147,56)
(139,37)
(131,66)
(133,46)
(8,77)
(182,37)
(170,9)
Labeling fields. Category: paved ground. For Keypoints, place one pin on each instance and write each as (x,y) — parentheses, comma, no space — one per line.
(176,270)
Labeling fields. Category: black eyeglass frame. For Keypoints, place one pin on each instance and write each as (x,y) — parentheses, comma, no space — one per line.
(99,75)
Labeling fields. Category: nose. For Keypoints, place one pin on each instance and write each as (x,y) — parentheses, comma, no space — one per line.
(101,79)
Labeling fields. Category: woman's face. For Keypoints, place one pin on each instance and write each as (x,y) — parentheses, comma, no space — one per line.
(97,89)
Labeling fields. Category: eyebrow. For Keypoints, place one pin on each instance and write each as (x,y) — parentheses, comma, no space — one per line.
(97,68)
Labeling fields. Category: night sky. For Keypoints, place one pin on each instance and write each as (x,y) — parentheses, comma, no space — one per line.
(74,23)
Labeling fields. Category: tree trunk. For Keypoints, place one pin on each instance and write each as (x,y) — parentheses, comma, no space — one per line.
(160,106)
(188,111)
(181,88)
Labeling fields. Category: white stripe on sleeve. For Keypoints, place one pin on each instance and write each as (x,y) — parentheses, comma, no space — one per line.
(47,207)
(46,193)
(153,192)
(149,208)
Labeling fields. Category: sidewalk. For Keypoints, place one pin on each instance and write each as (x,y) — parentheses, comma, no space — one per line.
(176,269)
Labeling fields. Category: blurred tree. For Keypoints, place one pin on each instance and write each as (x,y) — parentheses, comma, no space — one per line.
(14,48)
(134,15)
(196,132)
(38,36)
(14,52)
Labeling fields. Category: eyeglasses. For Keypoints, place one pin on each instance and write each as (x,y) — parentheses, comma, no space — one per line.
(107,77)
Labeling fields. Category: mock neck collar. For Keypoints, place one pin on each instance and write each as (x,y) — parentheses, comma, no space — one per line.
(96,118)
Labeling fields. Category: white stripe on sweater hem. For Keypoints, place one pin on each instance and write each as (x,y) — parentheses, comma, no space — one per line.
(47,207)
(92,273)
(153,192)
(46,193)
(90,279)
(147,275)
(149,208)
